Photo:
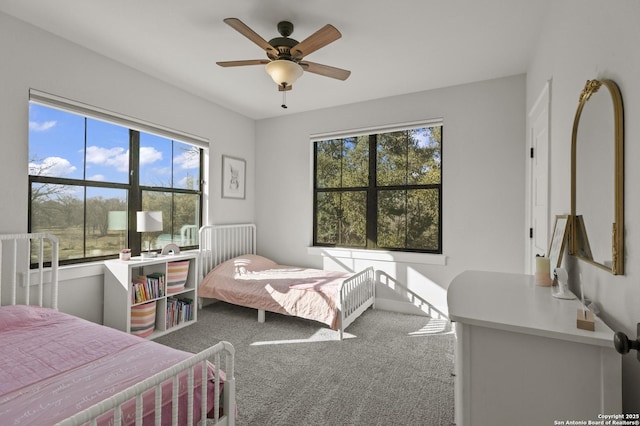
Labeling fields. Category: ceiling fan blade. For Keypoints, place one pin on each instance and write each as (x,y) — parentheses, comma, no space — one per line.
(243,63)
(315,41)
(243,29)
(325,70)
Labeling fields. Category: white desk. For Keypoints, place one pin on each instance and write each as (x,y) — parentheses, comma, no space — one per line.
(520,359)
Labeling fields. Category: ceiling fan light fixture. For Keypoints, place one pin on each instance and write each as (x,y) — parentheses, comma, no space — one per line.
(283,71)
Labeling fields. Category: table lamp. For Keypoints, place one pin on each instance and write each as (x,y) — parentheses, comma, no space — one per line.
(117,221)
(149,221)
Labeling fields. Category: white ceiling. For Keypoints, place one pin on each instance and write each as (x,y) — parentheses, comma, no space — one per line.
(391,47)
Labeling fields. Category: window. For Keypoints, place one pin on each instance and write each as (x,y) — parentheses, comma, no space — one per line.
(380,190)
(88,177)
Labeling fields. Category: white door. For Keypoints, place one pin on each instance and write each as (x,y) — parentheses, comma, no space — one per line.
(538,179)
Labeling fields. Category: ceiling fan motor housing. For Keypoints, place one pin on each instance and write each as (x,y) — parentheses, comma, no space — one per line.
(283,44)
(285,28)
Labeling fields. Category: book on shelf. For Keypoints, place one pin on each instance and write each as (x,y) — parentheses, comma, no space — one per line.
(179,310)
(156,282)
(147,287)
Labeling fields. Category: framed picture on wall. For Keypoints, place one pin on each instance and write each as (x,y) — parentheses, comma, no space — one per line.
(233,177)
(558,241)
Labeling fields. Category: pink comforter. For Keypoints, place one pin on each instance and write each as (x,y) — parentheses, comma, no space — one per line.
(53,365)
(256,282)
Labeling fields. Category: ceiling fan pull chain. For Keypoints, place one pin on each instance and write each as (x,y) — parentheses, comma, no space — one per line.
(284,96)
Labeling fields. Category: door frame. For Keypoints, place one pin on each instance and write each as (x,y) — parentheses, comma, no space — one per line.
(541,108)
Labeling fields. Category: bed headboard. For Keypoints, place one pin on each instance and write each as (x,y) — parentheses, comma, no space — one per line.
(223,242)
(19,282)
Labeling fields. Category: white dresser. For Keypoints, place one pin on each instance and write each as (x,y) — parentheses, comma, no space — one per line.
(520,359)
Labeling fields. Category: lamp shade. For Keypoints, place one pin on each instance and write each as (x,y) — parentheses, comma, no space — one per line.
(284,72)
(117,220)
(149,221)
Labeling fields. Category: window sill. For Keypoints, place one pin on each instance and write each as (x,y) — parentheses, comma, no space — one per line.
(67,272)
(81,270)
(379,255)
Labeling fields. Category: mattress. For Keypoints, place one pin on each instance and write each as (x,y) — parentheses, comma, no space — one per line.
(53,365)
(260,283)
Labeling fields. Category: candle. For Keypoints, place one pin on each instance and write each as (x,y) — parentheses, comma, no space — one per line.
(543,271)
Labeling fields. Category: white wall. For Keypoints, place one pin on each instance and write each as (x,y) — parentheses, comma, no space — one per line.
(31,58)
(483,152)
(483,179)
(582,40)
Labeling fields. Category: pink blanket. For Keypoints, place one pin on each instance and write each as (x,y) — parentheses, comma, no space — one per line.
(256,282)
(53,365)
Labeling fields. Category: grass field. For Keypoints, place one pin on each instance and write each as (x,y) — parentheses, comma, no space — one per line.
(74,245)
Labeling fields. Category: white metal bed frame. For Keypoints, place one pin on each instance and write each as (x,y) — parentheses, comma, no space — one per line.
(219,243)
(16,274)
(11,246)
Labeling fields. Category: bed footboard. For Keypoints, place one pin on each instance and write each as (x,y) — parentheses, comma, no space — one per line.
(357,293)
(227,418)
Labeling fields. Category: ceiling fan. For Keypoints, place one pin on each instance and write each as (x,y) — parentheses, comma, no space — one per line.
(285,64)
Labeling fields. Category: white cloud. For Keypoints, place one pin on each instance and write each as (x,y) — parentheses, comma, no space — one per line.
(187,182)
(52,166)
(41,126)
(98,178)
(161,171)
(149,155)
(188,160)
(117,157)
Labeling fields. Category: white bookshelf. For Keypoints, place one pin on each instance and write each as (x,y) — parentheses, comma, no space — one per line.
(118,279)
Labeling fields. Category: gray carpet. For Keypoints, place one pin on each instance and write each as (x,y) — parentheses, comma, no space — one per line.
(391,369)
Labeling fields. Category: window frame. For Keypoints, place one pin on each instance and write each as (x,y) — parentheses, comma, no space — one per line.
(133,187)
(373,189)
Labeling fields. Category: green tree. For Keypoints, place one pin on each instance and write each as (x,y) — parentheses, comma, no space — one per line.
(407,188)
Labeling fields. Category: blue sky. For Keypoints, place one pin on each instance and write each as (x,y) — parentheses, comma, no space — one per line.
(56,148)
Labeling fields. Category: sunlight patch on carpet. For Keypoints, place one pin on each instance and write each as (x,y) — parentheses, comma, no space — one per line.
(434,326)
(322,335)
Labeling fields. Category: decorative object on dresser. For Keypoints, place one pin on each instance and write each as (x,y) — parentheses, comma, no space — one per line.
(167,281)
(560,289)
(170,249)
(558,240)
(543,271)
(125,254)
(149,221)
(584,317)
(131,379)
(231,271)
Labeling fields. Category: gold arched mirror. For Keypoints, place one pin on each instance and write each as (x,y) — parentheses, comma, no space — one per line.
(597,177)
